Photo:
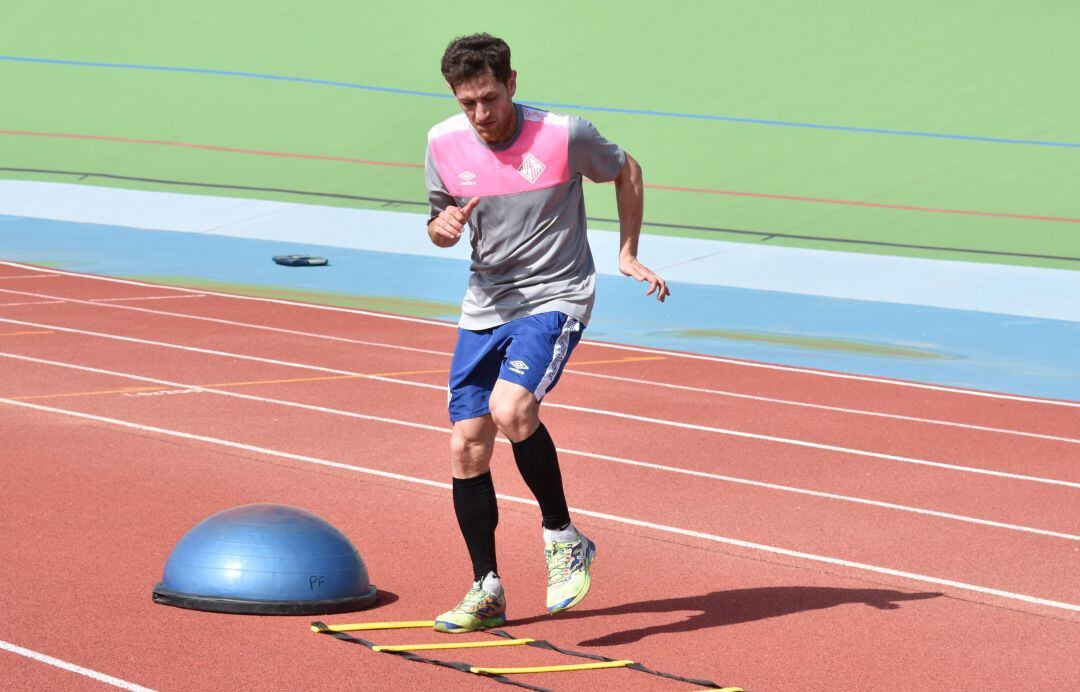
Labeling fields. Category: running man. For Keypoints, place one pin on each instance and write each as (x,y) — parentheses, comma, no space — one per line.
(513,174)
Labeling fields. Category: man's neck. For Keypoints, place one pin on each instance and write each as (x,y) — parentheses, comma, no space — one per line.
(511,129)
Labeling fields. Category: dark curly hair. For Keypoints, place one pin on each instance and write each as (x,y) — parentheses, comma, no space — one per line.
(470,56)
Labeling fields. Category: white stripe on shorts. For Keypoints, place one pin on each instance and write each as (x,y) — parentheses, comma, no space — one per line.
(558,355)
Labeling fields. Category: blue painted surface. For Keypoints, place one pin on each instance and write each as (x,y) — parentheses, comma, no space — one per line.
(270,553)
(984,351)
(548,104)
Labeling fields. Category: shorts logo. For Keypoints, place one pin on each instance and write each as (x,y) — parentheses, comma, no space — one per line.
(531,168)
(467,178)
(518,366)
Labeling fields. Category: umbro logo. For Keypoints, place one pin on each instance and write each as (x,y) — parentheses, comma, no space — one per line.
(467,178)
(518,366)
(531,168)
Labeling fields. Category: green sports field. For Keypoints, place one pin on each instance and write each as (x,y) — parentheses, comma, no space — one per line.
(989,167)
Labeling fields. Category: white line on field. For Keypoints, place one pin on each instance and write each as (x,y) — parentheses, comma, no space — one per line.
(657,421)
(49,660)
(573,371)
(180,387)
(823,407)
(217,320)
(636,349)
(598,515)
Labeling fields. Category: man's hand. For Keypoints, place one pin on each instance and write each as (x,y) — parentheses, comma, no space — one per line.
(446,228)
(630,199)
(631,267)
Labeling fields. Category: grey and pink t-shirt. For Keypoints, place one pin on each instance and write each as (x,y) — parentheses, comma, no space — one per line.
(530,253)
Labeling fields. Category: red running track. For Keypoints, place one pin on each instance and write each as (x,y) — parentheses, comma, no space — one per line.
(767,527)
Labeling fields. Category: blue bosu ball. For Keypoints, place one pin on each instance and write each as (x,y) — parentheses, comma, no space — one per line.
(268,560)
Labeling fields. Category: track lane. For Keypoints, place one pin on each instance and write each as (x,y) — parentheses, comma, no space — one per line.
(1004,415)
(909,398)
(749,458)
(154,388)
(732,617)
(902,437)
(932,546)
(293,352)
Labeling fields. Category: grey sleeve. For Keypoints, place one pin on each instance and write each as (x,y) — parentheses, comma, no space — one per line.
(591,155)
(438,197)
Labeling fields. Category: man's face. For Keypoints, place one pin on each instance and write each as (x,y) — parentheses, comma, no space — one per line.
(489,106)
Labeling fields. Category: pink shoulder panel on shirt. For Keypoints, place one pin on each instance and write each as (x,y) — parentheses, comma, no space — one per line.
(537,159)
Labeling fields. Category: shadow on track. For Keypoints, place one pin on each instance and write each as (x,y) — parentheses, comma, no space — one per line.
(721,608)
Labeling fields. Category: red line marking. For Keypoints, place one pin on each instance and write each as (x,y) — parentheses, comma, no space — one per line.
(672,188)
(856,203)
(210,147)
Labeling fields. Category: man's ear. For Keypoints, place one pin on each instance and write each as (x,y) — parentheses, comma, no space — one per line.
(511,83)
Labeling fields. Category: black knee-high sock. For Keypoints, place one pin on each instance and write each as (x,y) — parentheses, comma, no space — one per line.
(477,513)
(539,466)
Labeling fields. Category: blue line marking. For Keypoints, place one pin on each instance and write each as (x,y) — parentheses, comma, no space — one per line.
(552,104)
(225,73)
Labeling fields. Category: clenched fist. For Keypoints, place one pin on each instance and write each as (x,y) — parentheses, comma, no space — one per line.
(446,228)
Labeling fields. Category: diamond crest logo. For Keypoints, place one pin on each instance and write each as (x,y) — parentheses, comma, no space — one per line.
(531,168)
(467,178)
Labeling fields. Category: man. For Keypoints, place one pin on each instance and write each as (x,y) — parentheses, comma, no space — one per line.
(513,174)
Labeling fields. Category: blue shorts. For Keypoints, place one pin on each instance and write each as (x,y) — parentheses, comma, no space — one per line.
(530,351)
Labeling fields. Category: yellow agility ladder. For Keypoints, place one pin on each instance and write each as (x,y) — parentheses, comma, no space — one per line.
(498,674)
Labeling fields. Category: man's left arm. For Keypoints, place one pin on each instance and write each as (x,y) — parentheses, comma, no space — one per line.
(630,198)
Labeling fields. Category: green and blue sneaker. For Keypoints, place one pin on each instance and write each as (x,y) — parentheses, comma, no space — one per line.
(568,572)
(479,610)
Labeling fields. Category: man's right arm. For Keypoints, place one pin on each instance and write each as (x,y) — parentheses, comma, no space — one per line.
(446,228)
(445,222)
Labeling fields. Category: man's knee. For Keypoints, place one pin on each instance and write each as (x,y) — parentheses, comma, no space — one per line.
(514,412)
(470,448)
(459,446)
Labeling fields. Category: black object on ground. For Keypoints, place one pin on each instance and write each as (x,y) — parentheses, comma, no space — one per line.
(301,260)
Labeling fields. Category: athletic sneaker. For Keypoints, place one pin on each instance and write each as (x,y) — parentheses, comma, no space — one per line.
(479,610)
(568,572)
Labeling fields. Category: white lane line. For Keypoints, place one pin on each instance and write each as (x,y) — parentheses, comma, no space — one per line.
(841,375)
(235,296)
(584,512)
(574,371)
(118,300)
(226,354)
(177,386)
(818,493)
(216,320)
(49,660)
(34,302)
(823,407)
(657,421)
(817,445)
(635,349)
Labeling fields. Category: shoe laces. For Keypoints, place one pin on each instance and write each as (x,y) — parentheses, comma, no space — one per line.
(476,601)
(560,557)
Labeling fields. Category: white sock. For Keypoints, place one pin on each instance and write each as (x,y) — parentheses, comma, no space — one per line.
(567,534)
(492,584)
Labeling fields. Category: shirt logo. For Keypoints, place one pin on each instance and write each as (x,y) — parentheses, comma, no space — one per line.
(518,366)
(531,168)
(534,115)
(467,178)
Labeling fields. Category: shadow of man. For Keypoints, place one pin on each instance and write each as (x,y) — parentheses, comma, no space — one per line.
(721,608)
